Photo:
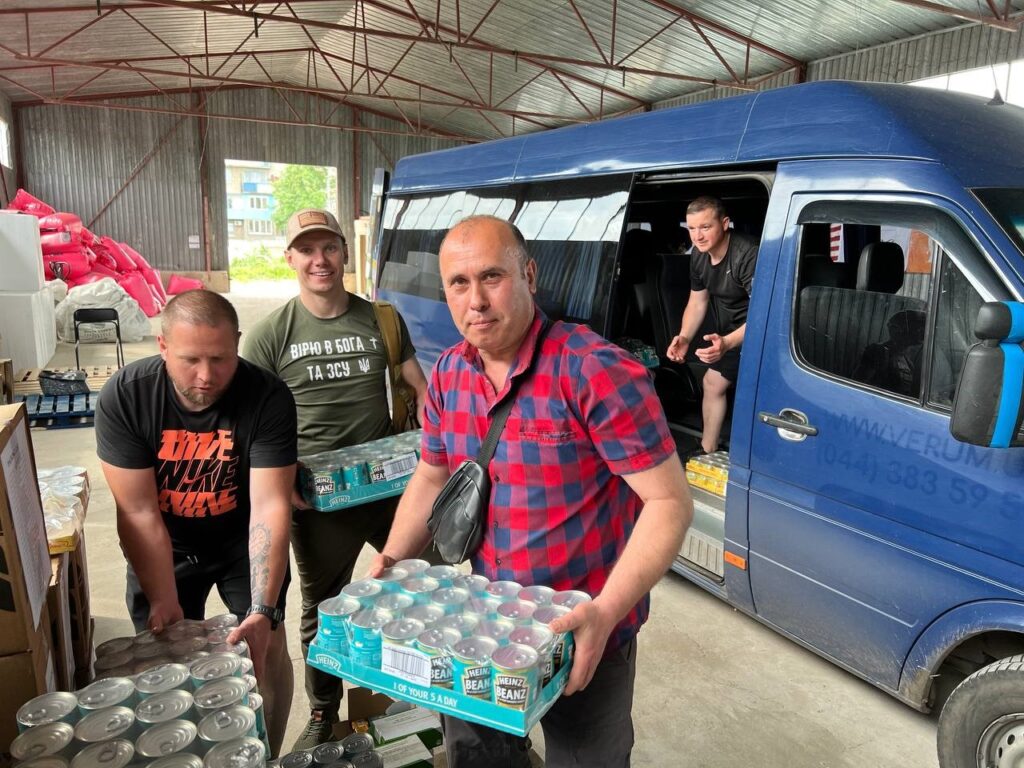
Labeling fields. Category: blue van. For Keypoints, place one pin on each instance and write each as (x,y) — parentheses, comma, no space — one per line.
(884,319)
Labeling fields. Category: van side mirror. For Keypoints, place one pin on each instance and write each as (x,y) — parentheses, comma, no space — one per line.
(988,407)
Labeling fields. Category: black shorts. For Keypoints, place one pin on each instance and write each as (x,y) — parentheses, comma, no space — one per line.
(728,365)
(195,576)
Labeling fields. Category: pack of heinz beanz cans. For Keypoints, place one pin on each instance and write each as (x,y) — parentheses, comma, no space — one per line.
(456,643)
(355,475)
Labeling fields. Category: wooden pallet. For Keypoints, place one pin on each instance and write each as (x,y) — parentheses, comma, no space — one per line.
(61,411)
(26,382)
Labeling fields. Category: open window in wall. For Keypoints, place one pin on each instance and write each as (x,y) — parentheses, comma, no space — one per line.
(887,296)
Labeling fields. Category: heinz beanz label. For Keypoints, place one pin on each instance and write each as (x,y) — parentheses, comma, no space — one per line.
(516,676)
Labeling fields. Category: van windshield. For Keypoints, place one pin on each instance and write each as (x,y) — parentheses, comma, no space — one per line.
(1007,207)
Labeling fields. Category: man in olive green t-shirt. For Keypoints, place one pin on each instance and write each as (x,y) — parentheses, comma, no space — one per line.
(326,346)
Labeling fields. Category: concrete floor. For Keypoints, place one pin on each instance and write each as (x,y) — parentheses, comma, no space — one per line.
(714,688)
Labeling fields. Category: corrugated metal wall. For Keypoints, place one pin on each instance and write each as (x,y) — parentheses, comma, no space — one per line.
(76,158)
(8,184)
(937,53)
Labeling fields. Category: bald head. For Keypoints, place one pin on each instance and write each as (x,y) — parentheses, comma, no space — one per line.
(199,307)
(484,226)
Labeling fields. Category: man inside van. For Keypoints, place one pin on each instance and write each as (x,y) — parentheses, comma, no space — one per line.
(198,448)
(587,489)
(327,347)
(721,276)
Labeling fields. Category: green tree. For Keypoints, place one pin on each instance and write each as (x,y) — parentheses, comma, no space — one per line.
(298,187)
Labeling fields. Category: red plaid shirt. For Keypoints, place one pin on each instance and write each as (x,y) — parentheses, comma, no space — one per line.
(586,414)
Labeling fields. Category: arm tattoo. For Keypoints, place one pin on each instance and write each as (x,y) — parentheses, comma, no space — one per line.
(259,563)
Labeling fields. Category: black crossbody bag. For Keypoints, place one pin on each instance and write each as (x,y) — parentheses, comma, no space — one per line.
(459,515)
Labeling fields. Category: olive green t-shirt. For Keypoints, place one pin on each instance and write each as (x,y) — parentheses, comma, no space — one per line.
(335,368)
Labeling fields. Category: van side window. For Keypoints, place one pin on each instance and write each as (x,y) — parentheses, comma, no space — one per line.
(880,301)
(572,229)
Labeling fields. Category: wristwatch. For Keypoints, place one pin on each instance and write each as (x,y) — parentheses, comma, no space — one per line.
(272,612)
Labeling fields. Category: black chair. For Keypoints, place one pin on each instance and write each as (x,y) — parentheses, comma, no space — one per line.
(99,315)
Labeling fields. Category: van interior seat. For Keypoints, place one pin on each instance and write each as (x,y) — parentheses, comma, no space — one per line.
(819,269)
(836,326)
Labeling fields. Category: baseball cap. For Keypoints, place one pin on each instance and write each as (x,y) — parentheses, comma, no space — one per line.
(311,220)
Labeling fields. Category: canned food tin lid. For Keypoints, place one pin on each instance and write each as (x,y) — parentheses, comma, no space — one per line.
(464,623)
(255,702)
(224,620)
(474,582)
(247,666)
(188,645)
(43,740)
(477,649)
(438,639)
(428,614)
(223,692)
(548,613)
(538,637)
(499,629)
(302,759)
(367,760)
(343,763)
(538,594)
(114,645)
(328,752)
(402,629)
(392,574)
(114,660)
(241,648)
(357,743)
(218,636)
(104,724)
(247,752)
(515,657)
(166,739)
(186,628)
(250,682)
(339,606)
(362,588)
(446,572)
(570,598)
(161,707)
(107,754)
(163,677)
(450,596)
(371,618)
(516,609)
(47,708)
(48,761)
(152,650)
(393,602)
(412,565)
(180,760)
(141,665)
(504,589)
(419,585)
(215,666)
(483,604)
(228,723)
(106,692)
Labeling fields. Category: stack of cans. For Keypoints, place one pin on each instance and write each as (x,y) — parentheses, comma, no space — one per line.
(354,751)
(489,640)
(178,702)
(324,475)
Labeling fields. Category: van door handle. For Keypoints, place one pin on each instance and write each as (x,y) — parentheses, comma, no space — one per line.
(790,421)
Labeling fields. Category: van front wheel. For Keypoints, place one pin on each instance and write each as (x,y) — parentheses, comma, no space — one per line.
(982,723)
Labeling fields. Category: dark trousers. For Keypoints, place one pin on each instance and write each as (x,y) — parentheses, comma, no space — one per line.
(326,546)
(593,728)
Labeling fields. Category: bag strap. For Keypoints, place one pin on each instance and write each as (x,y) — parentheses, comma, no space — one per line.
(387,322)
(505,407)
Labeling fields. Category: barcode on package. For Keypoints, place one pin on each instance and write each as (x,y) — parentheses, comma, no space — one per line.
(400,466)
(407,663)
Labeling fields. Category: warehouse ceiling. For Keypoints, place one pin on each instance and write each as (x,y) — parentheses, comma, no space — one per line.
(468,69)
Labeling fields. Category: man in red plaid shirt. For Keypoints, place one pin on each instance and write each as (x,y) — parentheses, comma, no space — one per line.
(587,489)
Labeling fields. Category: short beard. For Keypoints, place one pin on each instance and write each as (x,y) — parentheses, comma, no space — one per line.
(203,401)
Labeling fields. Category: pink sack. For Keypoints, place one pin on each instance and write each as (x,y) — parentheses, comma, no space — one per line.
(60,222)
(88,237)
(135,256)
(124,261)
(64,265)
(178,284)
(160,303)
(102,256)
(59,242)
(104,271)
(153,278)
(23,201)
(137,287)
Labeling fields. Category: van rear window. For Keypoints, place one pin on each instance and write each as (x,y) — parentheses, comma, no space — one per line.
(572,229)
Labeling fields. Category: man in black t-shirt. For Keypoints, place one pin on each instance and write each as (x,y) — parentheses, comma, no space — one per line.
(199,450)
(721,276)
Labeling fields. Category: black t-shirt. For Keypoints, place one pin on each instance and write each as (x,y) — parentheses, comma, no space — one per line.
(729,282)
(202,459)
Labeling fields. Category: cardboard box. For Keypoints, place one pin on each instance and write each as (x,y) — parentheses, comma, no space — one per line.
(24,558)
(81,616)
(411,722)
(57,604)
(405,753)
(25,676)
